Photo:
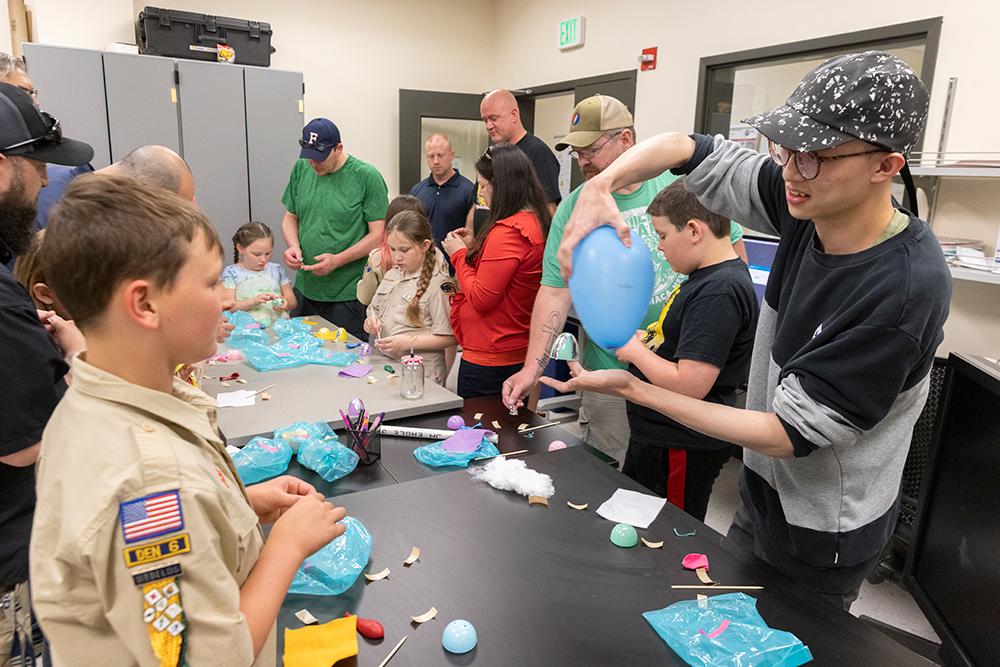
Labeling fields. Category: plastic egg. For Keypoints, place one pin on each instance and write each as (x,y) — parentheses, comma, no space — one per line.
(459,637)
(324,330)
(556,444)
(455,422)
(624,535)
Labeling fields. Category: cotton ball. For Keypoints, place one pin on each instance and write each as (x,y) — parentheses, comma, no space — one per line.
(514,475)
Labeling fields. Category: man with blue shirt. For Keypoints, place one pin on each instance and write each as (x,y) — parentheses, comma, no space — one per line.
(447,196)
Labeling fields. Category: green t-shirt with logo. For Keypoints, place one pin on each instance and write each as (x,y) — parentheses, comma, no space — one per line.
(334,211)
(633,209)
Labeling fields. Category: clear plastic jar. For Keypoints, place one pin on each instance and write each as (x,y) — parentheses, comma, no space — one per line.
(411,382)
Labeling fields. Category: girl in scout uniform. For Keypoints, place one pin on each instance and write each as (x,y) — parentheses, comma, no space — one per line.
(409,311)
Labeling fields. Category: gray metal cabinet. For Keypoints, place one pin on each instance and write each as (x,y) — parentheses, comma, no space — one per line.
(70,85)
(142,102)
(274,126)
(214,134)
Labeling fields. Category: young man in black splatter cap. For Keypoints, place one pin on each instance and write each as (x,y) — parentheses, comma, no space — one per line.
(852,315)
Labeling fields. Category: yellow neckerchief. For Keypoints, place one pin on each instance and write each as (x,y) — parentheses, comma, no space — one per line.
(654,332)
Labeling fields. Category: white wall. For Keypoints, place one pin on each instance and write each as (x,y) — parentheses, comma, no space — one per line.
(684,32)
(355,55)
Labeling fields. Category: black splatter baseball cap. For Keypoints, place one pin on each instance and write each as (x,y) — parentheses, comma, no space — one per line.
(872,96)
(28,131)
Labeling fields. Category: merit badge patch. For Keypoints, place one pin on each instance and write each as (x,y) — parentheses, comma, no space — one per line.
(448,287)
(163,614)
(152,516)
(143,554)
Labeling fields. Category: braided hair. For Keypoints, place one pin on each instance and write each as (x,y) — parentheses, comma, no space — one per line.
(247,234)
(413,225)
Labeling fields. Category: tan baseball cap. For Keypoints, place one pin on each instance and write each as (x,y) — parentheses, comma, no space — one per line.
(593,117)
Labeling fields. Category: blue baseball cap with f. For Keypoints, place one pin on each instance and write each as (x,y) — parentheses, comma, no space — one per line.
(319,137)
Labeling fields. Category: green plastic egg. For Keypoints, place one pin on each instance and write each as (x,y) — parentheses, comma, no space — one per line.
(624,535)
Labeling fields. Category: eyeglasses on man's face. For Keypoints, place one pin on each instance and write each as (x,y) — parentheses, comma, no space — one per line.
(809,162)
(589,153)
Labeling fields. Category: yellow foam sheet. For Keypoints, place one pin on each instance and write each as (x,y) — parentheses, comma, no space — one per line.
(322,645)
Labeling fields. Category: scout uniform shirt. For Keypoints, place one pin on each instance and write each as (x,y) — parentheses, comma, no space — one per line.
(143,532)
(392,297)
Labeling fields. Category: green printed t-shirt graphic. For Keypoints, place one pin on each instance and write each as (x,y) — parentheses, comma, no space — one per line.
(633,209)
(334,211)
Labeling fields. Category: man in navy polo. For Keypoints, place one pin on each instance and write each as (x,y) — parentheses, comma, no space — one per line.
(447,196)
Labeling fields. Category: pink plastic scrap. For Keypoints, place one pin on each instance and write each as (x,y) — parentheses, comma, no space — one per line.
(695,562)
(466,440)
(718,631)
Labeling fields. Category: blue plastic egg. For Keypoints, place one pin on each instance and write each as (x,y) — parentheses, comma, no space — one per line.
(459,637)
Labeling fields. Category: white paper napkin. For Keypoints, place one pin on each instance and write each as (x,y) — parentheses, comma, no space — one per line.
(635,509)
(235,399)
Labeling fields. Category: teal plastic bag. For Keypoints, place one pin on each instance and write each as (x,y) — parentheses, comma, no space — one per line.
(286,327)
(726,630)
(264,358)
(334,568)
(328,458)
(433,455)
(297,434)
(262,459)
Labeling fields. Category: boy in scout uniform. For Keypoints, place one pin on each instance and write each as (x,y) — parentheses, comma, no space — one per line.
(147,548)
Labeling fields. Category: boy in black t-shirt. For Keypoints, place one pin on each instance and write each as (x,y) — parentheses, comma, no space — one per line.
(700,346)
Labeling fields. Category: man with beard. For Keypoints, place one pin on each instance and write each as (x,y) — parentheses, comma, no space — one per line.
(32,366)
(600,129)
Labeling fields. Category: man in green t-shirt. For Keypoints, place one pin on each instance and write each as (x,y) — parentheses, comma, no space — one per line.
(601,129)
(335,213)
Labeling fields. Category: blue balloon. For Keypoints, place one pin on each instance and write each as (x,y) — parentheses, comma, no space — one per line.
(611,286)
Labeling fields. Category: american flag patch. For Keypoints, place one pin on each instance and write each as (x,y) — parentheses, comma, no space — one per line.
(151,516)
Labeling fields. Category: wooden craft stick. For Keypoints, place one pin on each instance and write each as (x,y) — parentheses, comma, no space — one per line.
(695,587)
(535,428)
(487,458)
(261,391)
(392,652)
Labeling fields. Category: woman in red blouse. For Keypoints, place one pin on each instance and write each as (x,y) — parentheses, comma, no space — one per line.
(499,271)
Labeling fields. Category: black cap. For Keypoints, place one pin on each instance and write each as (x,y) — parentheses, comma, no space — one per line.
(872,96)
(27,131)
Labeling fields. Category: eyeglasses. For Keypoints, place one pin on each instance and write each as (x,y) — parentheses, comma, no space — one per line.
(316,145)
(589,153)
(31,91)
(488,153)
(53,134)
(808,163)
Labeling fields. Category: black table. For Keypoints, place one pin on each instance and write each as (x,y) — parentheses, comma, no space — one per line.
(545,586)
(398,464)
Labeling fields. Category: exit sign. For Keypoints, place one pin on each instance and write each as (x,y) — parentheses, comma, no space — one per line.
(571,32)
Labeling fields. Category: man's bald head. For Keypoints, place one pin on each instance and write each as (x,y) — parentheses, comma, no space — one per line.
(159,166)
(439,155)
(502,117)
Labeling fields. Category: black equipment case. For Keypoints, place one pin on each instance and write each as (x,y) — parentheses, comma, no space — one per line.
(176,34)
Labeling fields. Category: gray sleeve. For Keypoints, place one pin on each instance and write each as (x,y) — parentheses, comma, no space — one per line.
(814,423)
(726,182)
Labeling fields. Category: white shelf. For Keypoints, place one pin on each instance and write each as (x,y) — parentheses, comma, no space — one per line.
(975,275)
(961,172)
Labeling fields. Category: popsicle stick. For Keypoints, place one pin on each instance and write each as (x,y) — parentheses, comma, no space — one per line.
(392,652)
(535,428)
(261,391)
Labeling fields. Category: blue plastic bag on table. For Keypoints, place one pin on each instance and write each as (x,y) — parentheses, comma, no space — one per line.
(726,630)
(328,458)
(287,327)
(334,568)
(264,358)
(435,456)
(262,459)
(298,433)
(296,343)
